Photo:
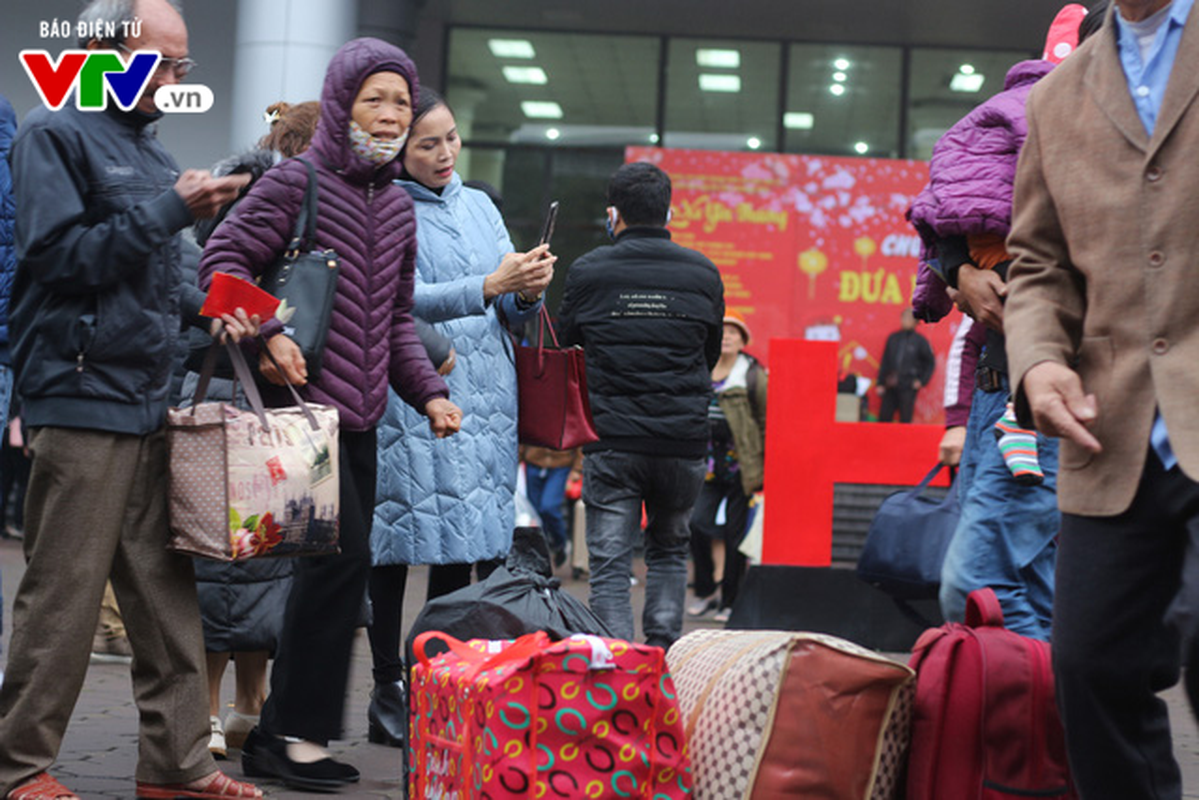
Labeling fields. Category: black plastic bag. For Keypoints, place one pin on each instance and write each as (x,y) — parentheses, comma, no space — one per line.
(519,598)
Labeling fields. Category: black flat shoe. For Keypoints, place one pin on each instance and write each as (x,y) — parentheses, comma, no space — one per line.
(387,716)
(265,756)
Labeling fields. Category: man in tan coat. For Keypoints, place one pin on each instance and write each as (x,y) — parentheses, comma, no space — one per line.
(1102,324)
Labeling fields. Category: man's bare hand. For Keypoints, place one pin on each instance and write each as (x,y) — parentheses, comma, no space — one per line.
(1059,406)
(982,292)
(234,327)
(289,356)
(206,195)
(949,452)
(445,418)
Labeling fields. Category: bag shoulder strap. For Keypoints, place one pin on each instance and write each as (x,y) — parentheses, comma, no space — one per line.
(305,229)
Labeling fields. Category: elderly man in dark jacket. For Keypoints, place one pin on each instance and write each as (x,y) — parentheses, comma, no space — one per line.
(648,314)
(96,309)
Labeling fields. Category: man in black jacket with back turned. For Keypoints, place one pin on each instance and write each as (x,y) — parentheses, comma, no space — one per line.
(648,314)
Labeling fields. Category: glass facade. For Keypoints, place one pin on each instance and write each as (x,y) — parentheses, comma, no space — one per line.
(546,115)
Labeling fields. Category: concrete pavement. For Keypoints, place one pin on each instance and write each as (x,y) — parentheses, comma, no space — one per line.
(99,751)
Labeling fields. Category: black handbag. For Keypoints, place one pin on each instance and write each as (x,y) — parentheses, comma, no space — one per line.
(907,541)
(306,282)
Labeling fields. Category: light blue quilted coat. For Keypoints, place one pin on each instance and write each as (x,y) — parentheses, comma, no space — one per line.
(447,501)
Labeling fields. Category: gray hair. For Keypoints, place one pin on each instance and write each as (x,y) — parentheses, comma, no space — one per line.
(118,14)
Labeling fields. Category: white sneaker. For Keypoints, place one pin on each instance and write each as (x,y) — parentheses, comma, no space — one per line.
(701,606)
(216,739)
(237,728)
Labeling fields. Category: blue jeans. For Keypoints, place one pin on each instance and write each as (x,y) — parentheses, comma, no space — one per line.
(614,486)
(1006,537)
(546,489)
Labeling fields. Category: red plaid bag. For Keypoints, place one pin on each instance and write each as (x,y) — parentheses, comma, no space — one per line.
(584,717)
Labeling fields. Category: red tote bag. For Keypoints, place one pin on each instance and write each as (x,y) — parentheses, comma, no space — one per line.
(555,410)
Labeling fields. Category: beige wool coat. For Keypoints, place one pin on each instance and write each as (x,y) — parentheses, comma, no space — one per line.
(1105,236)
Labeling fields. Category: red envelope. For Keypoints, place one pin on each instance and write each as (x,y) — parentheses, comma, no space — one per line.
(228,293)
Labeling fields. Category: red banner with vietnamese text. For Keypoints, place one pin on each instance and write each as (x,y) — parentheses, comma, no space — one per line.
(809,247)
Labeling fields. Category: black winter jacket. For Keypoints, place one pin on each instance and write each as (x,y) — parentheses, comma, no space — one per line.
(649,315)
(97,299)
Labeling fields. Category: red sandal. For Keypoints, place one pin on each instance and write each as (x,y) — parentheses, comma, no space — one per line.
(42,786)
(217,786)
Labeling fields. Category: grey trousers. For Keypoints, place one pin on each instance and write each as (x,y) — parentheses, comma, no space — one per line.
(95,508)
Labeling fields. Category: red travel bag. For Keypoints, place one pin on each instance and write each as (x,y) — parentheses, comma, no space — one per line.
(584,717)
(984,723)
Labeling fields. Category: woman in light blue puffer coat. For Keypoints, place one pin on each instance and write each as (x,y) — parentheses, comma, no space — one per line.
(449,502)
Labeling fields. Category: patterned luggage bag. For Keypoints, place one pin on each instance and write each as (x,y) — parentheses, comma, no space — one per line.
(584,717)
(772,714)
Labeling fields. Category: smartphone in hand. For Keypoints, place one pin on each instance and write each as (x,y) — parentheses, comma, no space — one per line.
(547,228)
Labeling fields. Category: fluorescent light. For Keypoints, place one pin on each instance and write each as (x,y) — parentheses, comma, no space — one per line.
(541,109)
(534,75)
(799,120)
(553,134)
(840,77)
(719,83)
(837,89)
(966,69)
(841,63)
(861,148)
(511,48)
(718,59)
(753,143)
(967,83)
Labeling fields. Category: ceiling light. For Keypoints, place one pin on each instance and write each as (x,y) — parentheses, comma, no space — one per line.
(553,134)
(967,83)
(841,63)
(511,48)
(839,77)
(534,75)
(861,148)
(837,89)
(719,83)
(753,143)
(799,120)
(966,69)
(718,59)
(541,109)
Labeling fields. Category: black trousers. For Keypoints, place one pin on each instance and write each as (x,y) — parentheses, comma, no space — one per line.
(1125,597)
(387,584)
(704,531)
(312,664)
(897,399)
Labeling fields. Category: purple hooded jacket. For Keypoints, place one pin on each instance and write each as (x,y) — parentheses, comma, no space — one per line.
(971,175)
(370,223)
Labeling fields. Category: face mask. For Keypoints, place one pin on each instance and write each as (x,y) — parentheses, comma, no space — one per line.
(376,151)
(611,223)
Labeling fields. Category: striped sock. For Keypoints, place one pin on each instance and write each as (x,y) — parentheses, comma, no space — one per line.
(1019,448)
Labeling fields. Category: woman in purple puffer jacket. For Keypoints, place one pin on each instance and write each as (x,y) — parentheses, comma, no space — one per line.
(366,109)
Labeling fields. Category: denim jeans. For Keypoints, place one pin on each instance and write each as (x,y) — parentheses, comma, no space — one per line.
(1006,536)
(614,486)
(546,490)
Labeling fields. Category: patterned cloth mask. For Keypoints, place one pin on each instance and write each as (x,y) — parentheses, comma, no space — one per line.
(376,151)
